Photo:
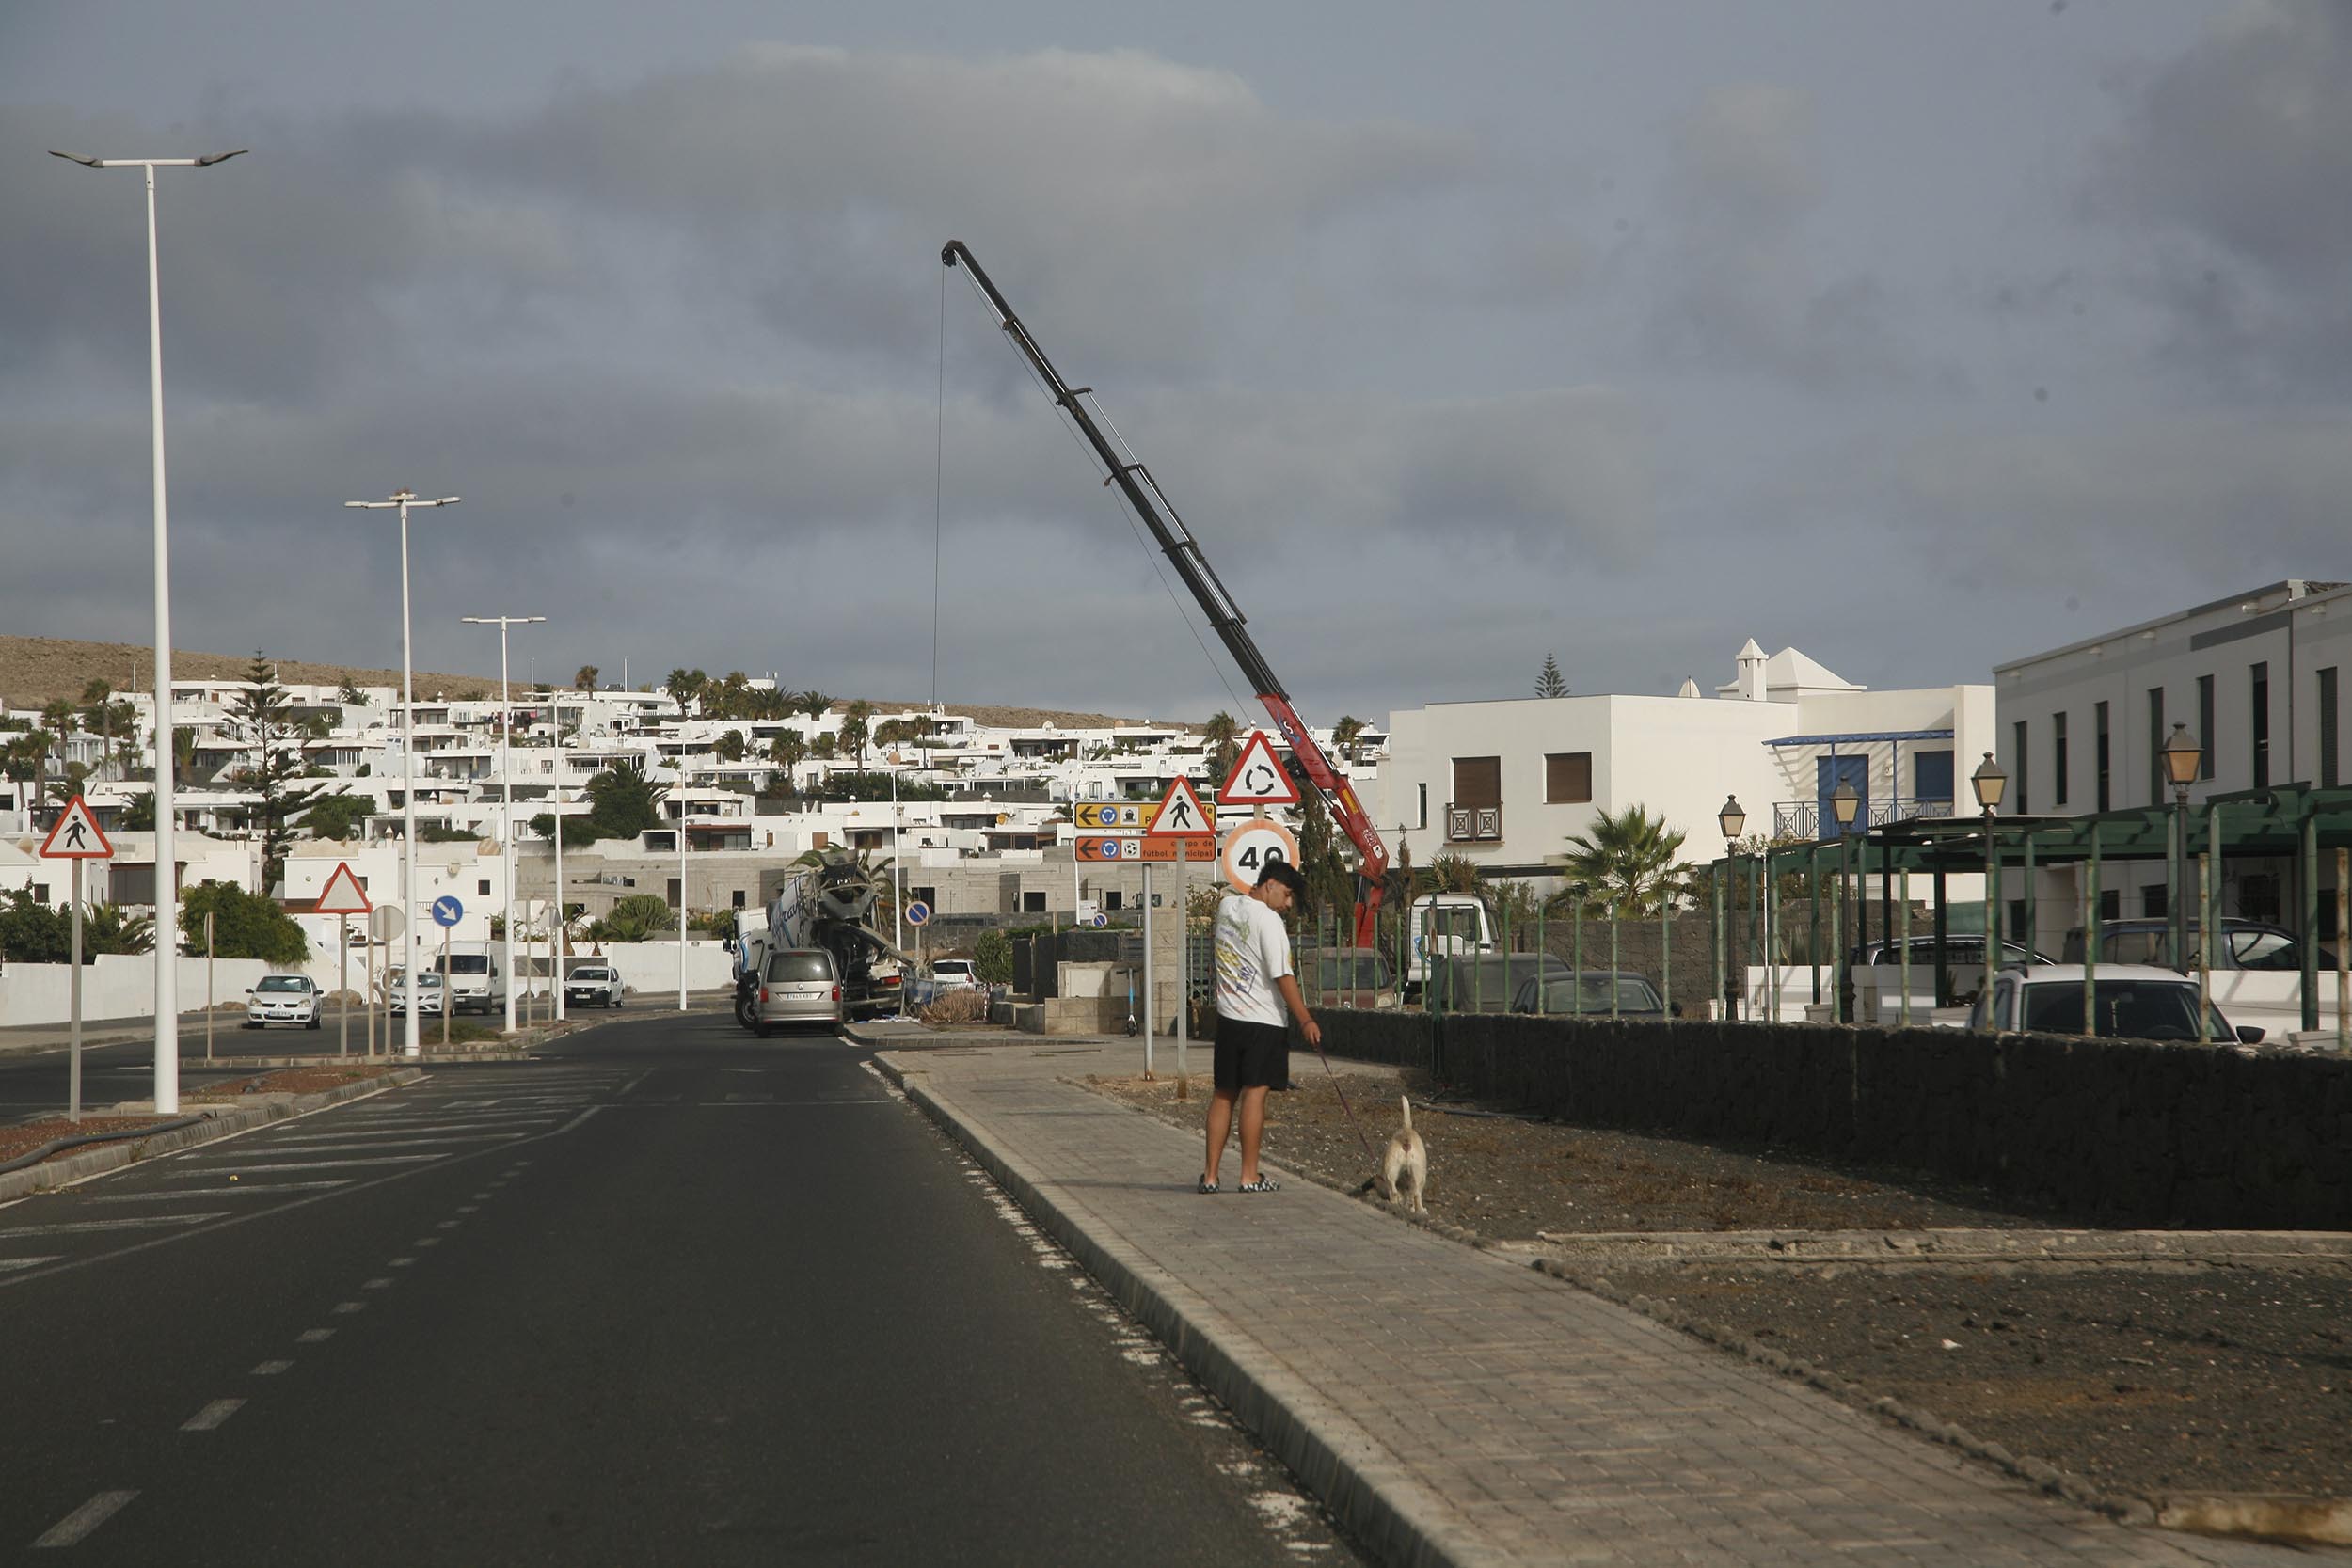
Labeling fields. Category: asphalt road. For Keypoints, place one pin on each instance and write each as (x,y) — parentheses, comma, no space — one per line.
(669,1294)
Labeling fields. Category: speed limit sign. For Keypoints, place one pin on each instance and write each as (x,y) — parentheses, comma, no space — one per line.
(1248,846)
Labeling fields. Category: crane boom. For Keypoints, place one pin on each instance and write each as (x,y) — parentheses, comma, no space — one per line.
(1176,542)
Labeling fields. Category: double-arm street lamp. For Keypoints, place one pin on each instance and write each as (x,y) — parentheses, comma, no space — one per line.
(1733,821)
(1991,781)
(1845,800)
(166,857)
(506,797)
(404,499)
(2181,757)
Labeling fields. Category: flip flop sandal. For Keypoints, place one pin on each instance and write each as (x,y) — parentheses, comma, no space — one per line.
(1264,1184)
(1206,1186)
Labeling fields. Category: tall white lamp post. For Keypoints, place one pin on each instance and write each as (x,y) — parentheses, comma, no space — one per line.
(681,874)
(506,797)
(166,862)
(404,499)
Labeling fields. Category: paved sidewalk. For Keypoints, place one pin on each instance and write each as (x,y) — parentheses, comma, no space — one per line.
(1453,1406)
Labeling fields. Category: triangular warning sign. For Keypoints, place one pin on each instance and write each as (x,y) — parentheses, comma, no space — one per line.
(342,893)
(1258,778)
(1182,815)
(76,836)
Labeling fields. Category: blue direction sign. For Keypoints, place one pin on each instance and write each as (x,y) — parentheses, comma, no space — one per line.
(918,913)
(447,910)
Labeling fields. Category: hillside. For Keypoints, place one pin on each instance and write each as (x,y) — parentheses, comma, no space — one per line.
(38,670)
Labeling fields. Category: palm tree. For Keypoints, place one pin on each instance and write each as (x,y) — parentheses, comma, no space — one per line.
(814,703)
(1628,857)
(108,928)
(1221,732)
(1345,734)
(788,748)
(730,747)
(854,732)
(57,719)
(584,678)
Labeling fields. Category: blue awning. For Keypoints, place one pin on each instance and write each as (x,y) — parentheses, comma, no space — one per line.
(1859,736)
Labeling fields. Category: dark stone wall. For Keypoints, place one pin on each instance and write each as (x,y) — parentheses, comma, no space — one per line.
(2120,1132)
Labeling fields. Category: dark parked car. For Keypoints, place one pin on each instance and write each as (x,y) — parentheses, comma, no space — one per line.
(2237,945)
(1593,992)
(1349,977)
(1487,983)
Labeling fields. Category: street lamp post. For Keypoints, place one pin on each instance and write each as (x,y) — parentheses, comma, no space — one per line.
(404,499)
(1991,781)
(167,856)
(1731,820)
(506,797)
(2181,757)
(1844,801)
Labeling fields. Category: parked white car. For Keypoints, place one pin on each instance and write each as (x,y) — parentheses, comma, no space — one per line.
(2129,1002)
(282,999)
(429,992)
(953,974)
(596,985)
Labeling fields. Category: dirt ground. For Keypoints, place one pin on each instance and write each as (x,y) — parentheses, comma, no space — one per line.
(2146,1379)
(24,1136)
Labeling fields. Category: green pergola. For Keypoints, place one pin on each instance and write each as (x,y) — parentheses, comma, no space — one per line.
(2294,823)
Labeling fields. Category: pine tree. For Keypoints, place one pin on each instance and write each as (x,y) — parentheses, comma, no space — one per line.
(265,713)
(1548,682)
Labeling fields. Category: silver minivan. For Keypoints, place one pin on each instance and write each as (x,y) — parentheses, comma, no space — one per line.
(800,985)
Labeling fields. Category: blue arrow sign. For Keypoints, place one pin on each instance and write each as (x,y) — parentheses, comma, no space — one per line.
(447,910)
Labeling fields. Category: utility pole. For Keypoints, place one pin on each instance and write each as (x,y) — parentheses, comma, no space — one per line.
(506,799)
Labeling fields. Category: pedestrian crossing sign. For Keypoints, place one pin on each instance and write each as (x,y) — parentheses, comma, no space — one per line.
(1181,814)
(76,835)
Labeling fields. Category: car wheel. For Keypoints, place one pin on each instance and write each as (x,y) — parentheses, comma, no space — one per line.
(313,1023)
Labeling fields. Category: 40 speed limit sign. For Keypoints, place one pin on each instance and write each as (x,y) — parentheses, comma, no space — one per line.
(1248,846)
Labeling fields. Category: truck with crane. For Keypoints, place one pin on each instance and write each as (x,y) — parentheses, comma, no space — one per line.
(1122,468)
(829,904)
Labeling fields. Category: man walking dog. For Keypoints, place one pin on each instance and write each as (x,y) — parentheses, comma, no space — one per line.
(1255,985)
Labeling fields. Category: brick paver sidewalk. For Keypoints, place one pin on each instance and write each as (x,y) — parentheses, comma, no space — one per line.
(1451,1406)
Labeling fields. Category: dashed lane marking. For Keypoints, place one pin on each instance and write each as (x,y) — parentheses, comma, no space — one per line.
(209,1417)
(347,1308)
(268,1165)
(83,1520)
(400,1262)
(420,1140)
(378,1283)
(244,1189)
(426,1241)
(7,1263)
(314,1335)
(271,1368)
(129,1222)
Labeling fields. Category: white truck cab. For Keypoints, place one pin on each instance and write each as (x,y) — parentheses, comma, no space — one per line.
(1444,926)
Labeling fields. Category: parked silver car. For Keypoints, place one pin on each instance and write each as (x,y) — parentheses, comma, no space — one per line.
(282,999)
(593,985)
(799,987)
(430,992)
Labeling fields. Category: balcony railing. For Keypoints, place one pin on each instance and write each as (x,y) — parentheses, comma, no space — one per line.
(1803,818)
(1473,824)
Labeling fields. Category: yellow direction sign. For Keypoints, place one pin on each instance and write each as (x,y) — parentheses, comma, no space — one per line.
(1115,815)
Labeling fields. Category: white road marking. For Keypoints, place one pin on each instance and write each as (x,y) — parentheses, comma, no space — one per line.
(452,1225)
(271,1368)
(263,1167)
(349,1307)
(473,1207)
(426,1241)
(134,1222)
(83,1520)
(7,1263)
(378,1283)
(244,1189)
(420,1139)
(314,1335)
(209,1417)
(400,1262)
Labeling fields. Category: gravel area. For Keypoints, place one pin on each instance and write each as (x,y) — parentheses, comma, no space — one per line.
(24,1136)
(2151,1380)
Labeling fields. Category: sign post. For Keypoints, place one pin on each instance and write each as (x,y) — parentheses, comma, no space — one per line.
(208,987)
(387,925)
(1258,778)
(343,896)
(1182,821)
(75,836)
(447,913)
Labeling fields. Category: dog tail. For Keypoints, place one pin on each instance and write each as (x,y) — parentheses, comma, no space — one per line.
(1406,1101)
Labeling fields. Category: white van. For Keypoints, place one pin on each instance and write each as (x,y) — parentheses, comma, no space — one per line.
(477,984)
(1444,926)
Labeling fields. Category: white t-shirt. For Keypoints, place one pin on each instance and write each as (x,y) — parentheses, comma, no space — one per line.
(1253,951)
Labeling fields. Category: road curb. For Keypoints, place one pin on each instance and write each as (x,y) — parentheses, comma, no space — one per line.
(71,1169)
(1328,1452)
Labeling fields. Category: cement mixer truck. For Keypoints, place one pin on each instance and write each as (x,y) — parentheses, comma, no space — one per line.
(827,903)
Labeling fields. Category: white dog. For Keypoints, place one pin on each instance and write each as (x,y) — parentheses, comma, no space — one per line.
(1405,1168)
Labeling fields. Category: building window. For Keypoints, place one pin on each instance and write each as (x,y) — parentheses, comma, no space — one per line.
(2204,725)
(1567,777)
(2155,745)
(1033,903)
(481,888)
(2058,759)
(2110,903)
(2099,749)
(1478,781)
(2327,728)
(40,893)
(2260,682)
(674,893)
(2153,904)
(1425,806)
(2017,760)
(739,898)
(1112,898)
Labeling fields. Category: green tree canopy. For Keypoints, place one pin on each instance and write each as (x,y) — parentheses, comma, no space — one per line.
(32,932)
(263,713)
(245,926)
(634,918)
(336,816)
(1549,681)
(1629,857)
(623,802)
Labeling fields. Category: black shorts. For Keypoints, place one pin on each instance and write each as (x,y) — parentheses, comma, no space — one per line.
(1252,1055)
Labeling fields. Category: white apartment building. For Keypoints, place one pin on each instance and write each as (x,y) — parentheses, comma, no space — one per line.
(1504,783)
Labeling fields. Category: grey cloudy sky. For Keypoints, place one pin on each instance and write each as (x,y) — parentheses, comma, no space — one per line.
(1922,336)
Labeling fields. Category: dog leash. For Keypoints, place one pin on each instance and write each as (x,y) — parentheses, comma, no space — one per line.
(1344,1107)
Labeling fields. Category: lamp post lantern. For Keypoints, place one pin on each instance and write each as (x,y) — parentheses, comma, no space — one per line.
(167,855)
(2182,758)
(1731,820)
(506,796)
(1845,800)
(404,499)
(1991,781)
